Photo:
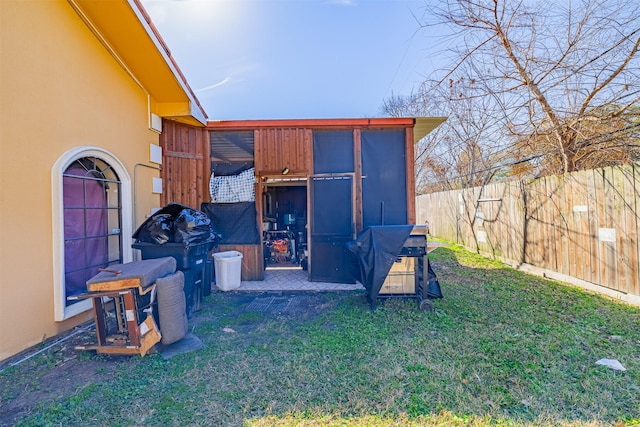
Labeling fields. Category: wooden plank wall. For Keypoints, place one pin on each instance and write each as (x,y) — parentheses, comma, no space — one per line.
(583,224)
(186,165)
(252,260)
(275,149)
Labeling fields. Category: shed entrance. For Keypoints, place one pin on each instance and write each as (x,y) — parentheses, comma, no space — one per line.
(284,223)
(318,183)
(306,225)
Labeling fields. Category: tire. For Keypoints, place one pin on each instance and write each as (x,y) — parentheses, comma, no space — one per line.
(426,305)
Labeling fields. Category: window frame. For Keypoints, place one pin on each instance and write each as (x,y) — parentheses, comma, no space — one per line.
(61,310)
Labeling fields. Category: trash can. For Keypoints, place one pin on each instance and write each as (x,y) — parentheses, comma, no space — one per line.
(208,277)
(228,270)
(185,234)
(191,260)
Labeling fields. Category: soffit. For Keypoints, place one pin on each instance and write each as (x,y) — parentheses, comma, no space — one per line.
(123,26)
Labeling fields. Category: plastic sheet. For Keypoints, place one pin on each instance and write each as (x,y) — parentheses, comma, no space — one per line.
(236,222)
(176,223)
(158,230)
(384,191)
(192,226)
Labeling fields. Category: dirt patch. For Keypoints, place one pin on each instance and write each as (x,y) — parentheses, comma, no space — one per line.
(37,377)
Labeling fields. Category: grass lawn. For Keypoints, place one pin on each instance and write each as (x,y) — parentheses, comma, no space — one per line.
(502,348)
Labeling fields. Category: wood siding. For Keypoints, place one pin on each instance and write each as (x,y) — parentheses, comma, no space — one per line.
(583,224)
(252,260)
(276,149)
(186,167)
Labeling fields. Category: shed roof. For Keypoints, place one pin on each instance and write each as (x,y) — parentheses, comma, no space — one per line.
(424,126)
(421,125)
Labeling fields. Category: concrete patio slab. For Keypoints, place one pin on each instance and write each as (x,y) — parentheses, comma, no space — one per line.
(293,279)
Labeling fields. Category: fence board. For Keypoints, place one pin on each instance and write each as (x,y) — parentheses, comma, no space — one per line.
(608,260)
(572,234)
(594,223)
(632,213)
(529,232)
(582,218)
(545,231)
(560,247)
(553,218)
(583,224)
(543,222)
(622,232)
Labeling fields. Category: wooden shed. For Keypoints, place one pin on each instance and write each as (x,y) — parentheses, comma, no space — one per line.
(315,184)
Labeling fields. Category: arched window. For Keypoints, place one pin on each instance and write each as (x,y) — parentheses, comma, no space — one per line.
(91,222)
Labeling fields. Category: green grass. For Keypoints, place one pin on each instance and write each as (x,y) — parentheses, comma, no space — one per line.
(503,348)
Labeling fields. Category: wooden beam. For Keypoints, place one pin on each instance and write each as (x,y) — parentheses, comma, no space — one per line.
(183,155)
(312,123)
(357,159)
(411,177)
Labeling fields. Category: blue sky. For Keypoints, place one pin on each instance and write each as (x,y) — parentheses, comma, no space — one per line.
(293,59)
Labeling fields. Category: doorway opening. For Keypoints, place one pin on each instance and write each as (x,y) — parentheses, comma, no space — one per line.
(284,224)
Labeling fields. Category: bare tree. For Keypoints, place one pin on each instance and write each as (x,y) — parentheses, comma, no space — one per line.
(460,153)
(563,79)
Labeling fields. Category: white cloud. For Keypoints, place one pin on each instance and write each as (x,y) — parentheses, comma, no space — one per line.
(213,86)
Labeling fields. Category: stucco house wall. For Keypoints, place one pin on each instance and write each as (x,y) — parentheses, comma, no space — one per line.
(62,94)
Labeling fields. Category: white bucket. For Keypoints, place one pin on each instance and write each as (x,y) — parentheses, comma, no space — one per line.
(228,268)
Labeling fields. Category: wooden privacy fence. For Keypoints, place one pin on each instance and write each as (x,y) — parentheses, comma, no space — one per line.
(583,224)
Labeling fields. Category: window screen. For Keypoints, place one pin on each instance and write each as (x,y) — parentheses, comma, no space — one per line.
(231,152)
(333,151)
(384,183)
(92,221)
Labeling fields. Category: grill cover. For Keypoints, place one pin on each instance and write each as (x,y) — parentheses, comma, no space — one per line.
(377,248)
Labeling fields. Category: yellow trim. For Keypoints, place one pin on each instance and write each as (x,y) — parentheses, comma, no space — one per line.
(424,125)
(122,29)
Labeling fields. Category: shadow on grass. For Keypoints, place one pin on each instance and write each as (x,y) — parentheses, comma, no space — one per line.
(501,348)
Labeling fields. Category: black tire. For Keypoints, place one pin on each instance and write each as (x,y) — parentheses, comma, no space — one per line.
(426,305)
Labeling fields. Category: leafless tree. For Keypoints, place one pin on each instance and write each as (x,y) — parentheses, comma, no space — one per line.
(463,151)
(562,80)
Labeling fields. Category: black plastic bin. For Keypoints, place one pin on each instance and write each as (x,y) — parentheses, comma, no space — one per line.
(208,278)
(156,239)
(191,260)
(194,255)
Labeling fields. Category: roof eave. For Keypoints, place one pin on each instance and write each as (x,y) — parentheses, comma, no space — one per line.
(425,125)
(126,31)
(422,125)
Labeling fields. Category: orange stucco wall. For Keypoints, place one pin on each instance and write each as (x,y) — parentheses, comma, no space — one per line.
(60,89)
